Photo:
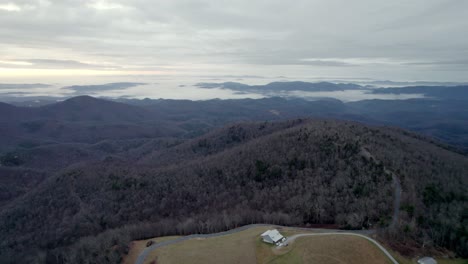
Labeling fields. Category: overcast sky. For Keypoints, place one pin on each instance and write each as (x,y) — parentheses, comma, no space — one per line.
(381,39)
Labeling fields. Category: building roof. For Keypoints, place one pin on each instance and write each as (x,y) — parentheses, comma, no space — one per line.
(273,234)
(427,260)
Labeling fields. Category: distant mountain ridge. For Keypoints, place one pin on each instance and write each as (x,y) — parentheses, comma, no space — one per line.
(459,92)
(81,107)
(444,119)
(284,86)
(90,108)
(81,119)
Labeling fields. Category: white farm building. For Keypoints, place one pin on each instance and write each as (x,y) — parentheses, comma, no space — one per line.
(427,260)
(272,236)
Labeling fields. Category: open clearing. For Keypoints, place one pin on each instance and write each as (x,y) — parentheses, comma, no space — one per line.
(247,247)
(328,249)
(235,248)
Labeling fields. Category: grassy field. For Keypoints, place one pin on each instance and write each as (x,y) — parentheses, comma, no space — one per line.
(247,247)
(235,248)
(323,249)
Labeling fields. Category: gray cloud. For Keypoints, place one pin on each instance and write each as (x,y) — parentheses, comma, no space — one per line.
(441,63)
(22,85)
(245,37)
(53,64)
(67,64)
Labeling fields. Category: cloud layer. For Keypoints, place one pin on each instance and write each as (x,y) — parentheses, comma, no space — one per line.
(400,39)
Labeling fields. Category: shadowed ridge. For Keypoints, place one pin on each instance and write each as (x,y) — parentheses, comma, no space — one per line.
(89,108)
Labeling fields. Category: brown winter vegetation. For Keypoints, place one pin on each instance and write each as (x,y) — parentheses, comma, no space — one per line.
(141,183)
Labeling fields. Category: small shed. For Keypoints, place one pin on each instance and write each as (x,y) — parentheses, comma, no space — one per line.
(427,260)
(272,237)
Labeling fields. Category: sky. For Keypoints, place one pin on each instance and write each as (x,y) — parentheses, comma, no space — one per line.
(379,39)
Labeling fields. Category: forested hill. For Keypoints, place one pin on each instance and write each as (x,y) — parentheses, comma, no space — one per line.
(293,173)
(89,120)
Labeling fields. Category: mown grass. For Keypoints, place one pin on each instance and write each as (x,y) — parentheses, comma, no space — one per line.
(329,249)
(235,248)
(247,247)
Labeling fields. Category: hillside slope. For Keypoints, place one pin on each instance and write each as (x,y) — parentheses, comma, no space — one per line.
(81,119)
(293,172)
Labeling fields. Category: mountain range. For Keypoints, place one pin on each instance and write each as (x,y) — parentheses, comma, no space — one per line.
(82,177)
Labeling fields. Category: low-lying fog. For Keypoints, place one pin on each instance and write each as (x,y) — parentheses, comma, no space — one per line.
(176,87)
